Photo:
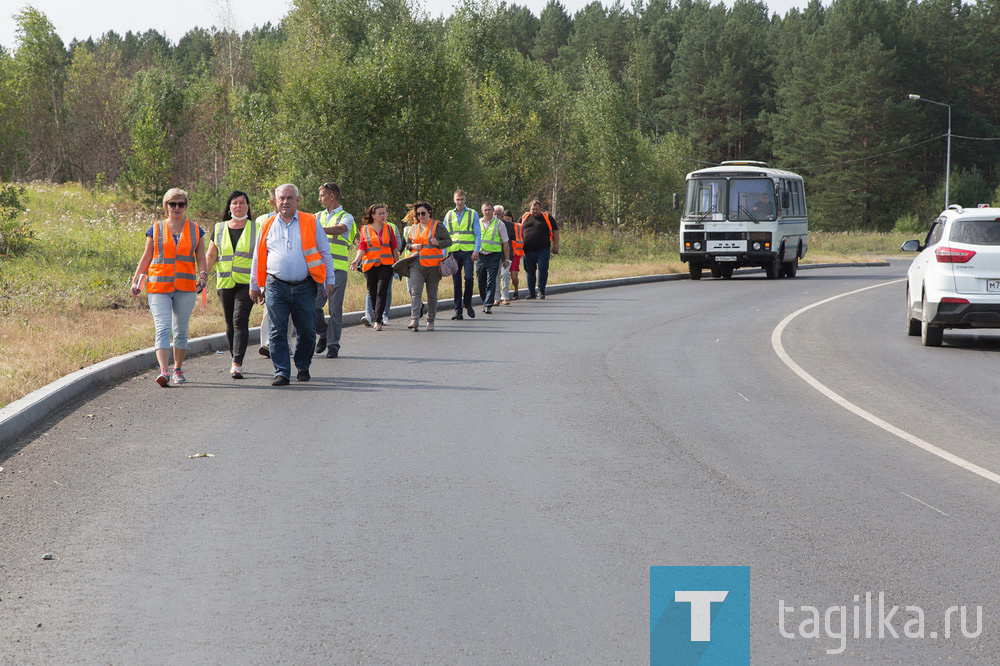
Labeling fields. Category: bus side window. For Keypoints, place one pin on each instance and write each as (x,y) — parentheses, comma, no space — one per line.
(796,194)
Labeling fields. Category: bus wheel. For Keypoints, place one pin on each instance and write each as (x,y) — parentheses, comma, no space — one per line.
(694,270)
(727,272)
(716,272)
(791,267)
(771,269)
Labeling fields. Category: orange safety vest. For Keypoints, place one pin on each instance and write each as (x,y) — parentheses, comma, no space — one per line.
(379,249)
(518,243)
(545,214)
(172,267)
(429,255)
(307,230)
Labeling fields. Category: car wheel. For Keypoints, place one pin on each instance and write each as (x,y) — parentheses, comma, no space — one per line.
(694,270)
(912,323)
(791,267)
(931,336)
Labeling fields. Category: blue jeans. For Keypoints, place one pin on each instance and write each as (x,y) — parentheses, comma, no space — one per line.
(464,259)
(299,302)
(172,314)
(538,259)
(486,272)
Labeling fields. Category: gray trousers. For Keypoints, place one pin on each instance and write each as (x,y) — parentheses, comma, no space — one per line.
(330,334)
(417,282)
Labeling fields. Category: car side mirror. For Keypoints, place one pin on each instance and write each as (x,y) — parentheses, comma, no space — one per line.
(677,201)
(786,200)
(911,246)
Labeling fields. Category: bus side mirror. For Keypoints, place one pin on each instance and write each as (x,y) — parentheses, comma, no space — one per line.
(677,201)
(786,200)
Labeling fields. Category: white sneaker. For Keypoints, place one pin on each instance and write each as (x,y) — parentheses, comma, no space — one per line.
(365,321)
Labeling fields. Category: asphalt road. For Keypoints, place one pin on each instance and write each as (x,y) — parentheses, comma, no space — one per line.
(496,491)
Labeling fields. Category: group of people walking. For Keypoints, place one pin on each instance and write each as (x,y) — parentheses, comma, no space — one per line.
(294,263)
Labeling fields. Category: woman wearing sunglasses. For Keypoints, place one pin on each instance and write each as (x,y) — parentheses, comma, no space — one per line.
(428,239)
(175,262)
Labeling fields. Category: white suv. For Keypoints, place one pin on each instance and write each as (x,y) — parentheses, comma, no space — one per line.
(955,280)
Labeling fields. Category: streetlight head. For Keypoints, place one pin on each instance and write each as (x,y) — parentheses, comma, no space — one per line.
(912,96)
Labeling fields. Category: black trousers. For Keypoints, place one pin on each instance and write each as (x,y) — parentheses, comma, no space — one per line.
(379,281)
(236,306)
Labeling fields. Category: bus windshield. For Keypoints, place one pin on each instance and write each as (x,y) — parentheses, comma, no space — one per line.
(751,199)
(704,196)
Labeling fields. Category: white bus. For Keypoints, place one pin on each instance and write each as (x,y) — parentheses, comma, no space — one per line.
(744,214)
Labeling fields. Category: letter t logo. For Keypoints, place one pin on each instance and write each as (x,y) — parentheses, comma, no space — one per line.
(701,610)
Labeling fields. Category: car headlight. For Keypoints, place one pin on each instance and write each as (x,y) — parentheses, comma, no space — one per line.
(756,245)
(697,246)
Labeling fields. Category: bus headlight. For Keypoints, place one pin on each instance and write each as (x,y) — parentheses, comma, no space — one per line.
(697,245)
(756,245)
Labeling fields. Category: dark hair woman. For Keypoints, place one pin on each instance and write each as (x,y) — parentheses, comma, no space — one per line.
(428,239)
(378,250)
(231,250)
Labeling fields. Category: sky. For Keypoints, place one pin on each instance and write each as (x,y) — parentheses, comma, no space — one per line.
(79,19)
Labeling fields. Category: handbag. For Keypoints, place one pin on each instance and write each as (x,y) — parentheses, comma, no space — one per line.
(448,266)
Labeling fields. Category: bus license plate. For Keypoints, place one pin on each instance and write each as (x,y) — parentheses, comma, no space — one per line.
(993,285)
(725,258)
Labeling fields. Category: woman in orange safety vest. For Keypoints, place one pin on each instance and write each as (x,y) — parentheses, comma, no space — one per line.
(378,250)
(428,238)
(174,268)
(517,251)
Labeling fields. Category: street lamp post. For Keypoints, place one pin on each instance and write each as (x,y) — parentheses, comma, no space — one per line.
(947,159)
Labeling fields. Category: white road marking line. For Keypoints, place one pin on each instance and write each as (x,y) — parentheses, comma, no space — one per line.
(779,349)
(924,503)
(743,396)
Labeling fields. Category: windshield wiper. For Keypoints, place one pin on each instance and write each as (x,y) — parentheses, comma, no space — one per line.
(702,218)
(743,209)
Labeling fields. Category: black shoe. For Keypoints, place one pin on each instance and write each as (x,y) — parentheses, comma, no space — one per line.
(303,376)
(332,352)
(472,313)
(488,309)
(279,380)
(320,346)
(541,295)
(264,351)
(457,315)
(530,297)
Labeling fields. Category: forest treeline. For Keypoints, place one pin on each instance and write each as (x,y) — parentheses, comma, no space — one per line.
(600,113)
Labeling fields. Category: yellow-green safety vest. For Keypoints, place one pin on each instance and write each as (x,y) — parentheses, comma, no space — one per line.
(339,248)
(490,240)
(233,265)
(463,236)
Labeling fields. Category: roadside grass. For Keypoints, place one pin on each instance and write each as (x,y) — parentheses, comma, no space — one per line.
(66,303)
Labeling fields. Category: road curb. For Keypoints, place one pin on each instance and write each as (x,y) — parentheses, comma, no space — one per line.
(21,416)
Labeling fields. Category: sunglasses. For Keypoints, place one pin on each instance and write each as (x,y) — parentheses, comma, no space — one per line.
(423,213)
(177,204)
